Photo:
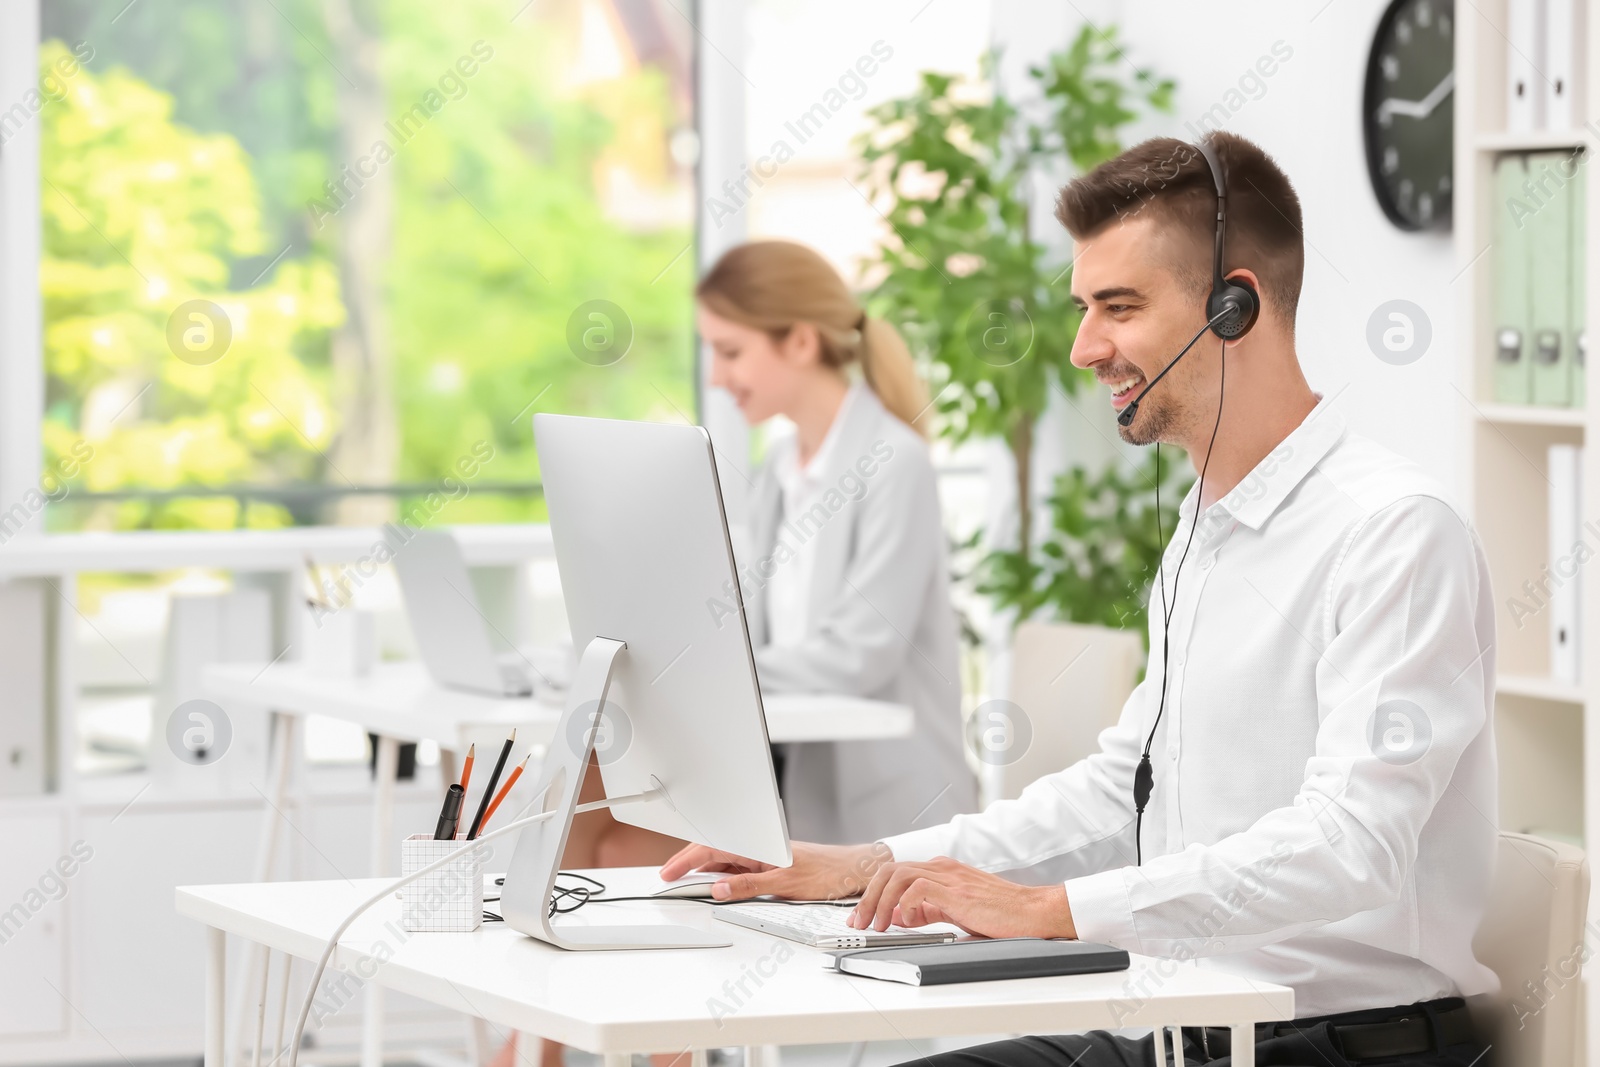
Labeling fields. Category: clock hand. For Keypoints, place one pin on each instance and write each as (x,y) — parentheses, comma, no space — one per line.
(1422,108)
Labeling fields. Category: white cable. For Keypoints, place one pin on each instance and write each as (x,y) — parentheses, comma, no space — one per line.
(333,942)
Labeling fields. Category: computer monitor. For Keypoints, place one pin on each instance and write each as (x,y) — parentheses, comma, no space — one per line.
(651,590)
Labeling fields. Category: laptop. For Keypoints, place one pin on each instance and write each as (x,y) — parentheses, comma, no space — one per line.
(452,632)
(823,926)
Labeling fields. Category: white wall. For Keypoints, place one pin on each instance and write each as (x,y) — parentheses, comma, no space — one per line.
(1308,117)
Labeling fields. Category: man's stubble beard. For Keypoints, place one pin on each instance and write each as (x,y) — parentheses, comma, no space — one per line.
(1151,423)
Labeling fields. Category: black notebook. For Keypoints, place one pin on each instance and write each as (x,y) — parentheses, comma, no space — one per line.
(980,960)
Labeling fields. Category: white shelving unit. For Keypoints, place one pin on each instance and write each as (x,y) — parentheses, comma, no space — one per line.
(1549,738)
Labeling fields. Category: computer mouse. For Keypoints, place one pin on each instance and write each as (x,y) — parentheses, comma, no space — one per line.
(698,889)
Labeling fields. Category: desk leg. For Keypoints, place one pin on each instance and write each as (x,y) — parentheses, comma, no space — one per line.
(279,1042)
(1244,1045)
(479,1041)
(383,806)
(261,1009)
(617,1059)
(282,746)
(216,980)
(763,1055)
(1176,1032)
(382,832)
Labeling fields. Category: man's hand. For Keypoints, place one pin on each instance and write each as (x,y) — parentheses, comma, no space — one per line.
(819,872)
(942,890)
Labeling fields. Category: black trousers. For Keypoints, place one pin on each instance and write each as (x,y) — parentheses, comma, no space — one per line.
(1312,1043)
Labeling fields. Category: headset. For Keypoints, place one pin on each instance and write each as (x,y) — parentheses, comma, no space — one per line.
(1231,310)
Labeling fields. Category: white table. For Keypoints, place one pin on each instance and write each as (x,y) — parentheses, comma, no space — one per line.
(761,992)
(401,702)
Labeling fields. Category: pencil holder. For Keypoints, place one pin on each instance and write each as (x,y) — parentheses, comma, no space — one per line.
(448,900)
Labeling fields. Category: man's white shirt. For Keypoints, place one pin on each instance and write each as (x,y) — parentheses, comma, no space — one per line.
(1324,810)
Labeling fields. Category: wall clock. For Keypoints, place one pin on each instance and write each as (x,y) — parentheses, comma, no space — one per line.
(1408,112)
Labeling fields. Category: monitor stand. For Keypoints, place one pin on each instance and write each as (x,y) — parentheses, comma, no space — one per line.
(531,875)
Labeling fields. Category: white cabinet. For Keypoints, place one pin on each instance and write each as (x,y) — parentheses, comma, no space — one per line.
(38,876)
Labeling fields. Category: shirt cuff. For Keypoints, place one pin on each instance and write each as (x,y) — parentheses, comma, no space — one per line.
(918,846)
(1102,908)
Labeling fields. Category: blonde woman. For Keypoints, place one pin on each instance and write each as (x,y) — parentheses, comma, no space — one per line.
(846,585)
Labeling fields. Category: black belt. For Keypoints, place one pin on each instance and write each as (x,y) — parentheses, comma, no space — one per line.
(1407,1034)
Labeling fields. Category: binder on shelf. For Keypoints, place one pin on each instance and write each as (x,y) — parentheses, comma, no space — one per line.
(1525,96)
(1550,258)
(1566,536)
(1511,378)
(1577,301)
(1563,64)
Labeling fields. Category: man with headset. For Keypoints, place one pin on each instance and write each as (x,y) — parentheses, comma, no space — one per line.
(1302,790)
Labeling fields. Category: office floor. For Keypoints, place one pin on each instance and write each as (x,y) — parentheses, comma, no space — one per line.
(877,1054)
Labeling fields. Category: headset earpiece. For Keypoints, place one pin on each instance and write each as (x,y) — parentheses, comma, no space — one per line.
(1239,300)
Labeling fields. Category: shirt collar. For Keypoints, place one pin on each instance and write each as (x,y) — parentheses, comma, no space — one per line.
(790,472)
(1260,493)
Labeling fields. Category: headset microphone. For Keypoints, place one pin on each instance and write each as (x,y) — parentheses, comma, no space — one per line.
(1125,416)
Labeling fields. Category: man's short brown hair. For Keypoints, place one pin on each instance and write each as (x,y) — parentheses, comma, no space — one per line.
(1168,180)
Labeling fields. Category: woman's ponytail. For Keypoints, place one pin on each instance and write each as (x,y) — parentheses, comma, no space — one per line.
(887,365)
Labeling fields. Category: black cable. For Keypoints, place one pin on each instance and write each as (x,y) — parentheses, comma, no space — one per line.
(1144,776)
(589,895)
(578,894)
(581,895)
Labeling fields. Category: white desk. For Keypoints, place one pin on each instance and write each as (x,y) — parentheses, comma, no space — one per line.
(763,991)
(401,702)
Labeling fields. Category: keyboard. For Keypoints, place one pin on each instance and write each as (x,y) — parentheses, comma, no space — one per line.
(823,926)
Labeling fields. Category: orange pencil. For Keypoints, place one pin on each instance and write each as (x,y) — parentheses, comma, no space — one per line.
(516,772)
(466,765)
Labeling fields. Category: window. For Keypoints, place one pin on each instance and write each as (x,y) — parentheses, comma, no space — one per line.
(318,261)
(813,89)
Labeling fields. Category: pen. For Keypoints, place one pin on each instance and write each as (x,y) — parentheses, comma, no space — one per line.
(488,790)
(466,765)
(450,817)
(516,772)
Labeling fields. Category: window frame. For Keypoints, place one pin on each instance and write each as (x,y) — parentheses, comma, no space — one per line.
(21,303)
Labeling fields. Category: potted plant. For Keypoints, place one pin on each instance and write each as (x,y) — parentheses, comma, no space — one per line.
(987,305)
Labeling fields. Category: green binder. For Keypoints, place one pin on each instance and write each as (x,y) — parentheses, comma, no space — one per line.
(1510,232)
(1578,301)
(1550,260)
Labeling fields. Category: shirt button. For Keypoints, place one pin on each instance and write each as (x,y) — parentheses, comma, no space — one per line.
(1179,661)
(1172,752)
(1205,564)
